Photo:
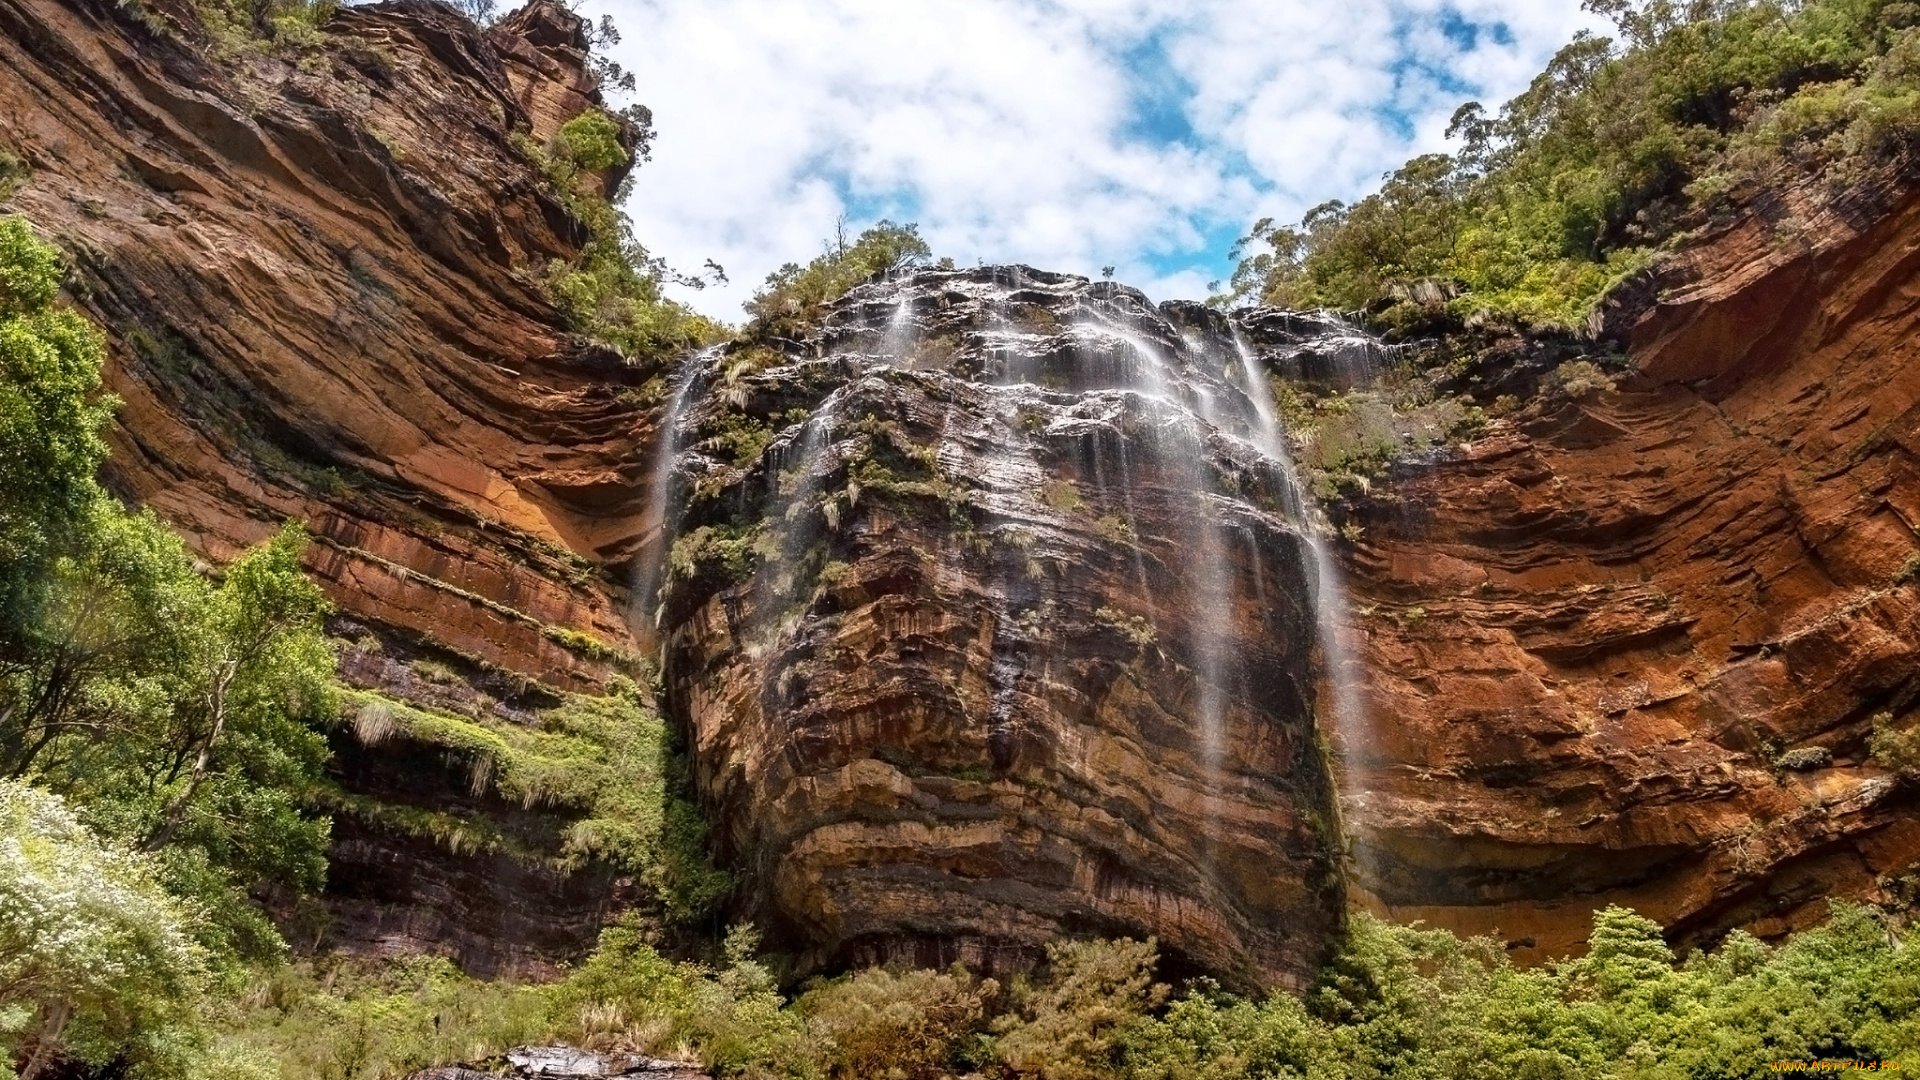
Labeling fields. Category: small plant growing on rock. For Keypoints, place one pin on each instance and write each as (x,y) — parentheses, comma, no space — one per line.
(1115,529)
(1578,378)
(1061,495)
(1132,627)
(1895,748)
(1804,759)
(1909,571)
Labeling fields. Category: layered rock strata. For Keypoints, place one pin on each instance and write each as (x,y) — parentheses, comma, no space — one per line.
(1631,647)
(317,266)
(991,625)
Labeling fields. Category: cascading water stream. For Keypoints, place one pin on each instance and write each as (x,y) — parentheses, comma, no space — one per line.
(1178,415)
(656,521)
(1344,711)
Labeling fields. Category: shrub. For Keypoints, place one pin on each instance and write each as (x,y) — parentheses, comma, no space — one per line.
(794,294)
(896,1025)
(590,141)
(96,959)
(1897,749)
(1072,1024)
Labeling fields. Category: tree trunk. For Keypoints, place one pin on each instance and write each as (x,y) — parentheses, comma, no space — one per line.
(177,810)
(53,1021)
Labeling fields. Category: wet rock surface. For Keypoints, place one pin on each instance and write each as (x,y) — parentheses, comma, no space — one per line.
(992,622)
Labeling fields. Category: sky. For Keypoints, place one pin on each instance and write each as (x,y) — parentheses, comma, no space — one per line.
(1070,135)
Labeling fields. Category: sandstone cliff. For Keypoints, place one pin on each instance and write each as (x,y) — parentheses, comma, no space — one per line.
(317,269)
(990,609)
(1628,649)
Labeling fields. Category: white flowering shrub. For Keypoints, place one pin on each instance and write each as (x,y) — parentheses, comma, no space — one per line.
(95,957)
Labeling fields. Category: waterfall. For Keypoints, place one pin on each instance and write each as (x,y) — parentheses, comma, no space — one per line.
(657,519)
(1342,709)
(1014,529)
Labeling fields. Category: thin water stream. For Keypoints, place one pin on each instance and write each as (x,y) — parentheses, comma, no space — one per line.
(1105,536)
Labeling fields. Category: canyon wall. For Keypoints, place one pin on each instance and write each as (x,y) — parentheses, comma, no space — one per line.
(317,271)
(1629,648)
(990,611)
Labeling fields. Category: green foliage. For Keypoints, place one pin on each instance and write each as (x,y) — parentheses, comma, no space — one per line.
(240,28)
(14,172)
(1612,152)
(611,758)
(181,714)
(589,142)
(793,295)
(612,290)
(1062,495)
(896,1025)
(1072,1025)
(1578,378)
(344,1020)
(580,642)
(727,550)
(1347,440)
(174,710)
(1135,628)
(1395,1001)
(50,420)
(1403,1002)
(1895,747)
(96,958)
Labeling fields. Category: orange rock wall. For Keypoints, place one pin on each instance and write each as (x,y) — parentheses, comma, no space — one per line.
(318,274)
(1590,635)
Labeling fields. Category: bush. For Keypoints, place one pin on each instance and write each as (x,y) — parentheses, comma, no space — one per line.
(344,1019)
(793,295)
(1072,1025)
(1896,749)
(896,1025)
(96,958)
(589,142)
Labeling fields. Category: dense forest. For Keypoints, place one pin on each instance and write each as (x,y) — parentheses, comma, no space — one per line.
(163,722)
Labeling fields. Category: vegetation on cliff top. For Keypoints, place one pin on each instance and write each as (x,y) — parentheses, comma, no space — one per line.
(1619,148)
(612,290)
(793,296)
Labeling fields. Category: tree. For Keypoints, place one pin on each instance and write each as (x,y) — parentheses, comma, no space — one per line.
(50,419)
(200,742)
(94,953)
(1620,146)
(178,712)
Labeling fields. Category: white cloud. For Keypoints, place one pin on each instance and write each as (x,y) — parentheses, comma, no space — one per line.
(1011,130)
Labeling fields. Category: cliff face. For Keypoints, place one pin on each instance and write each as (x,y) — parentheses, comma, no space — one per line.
(1005,635)
(1591,641)
(987,608)
(317,270)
